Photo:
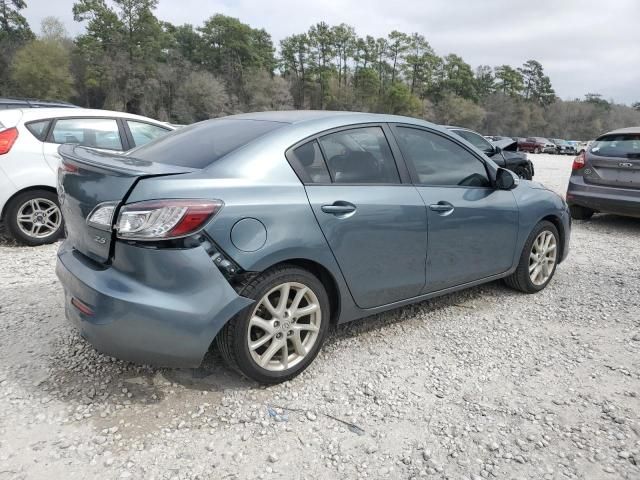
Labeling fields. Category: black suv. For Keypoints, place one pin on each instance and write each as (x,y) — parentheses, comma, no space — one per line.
(502,152)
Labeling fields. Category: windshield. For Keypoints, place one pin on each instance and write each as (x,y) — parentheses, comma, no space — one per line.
(201,144)
(617,145)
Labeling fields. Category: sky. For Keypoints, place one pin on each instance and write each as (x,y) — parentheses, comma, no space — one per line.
(585,46)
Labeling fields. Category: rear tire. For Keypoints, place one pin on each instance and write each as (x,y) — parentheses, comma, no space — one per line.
(34,217)
(580,213)
(536,257)
(536,150)
(264,339)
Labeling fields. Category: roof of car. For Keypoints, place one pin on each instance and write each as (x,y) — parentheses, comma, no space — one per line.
(29,114)
(625,130)
(34,102)
(304,116)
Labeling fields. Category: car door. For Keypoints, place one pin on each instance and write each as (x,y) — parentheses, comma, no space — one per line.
(375,225)
(100,133)
(472,226)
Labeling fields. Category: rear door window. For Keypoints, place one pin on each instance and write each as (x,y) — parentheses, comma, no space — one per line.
(143,133)
(88,132)
(360,155)
(310,158)
(625,145)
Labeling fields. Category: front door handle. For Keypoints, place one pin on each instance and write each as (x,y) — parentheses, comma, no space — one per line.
(339,208)
(443,208)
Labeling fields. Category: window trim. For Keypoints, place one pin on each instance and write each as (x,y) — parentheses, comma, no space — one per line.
(46,130)
(403,172)
(451,137)
(123,139)
(129,134)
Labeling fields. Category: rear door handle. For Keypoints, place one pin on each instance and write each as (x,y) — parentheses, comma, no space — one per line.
(339,208)
(442,207)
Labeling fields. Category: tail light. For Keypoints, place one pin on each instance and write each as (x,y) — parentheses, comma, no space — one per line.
(164,219)
(578,162)
(7,139)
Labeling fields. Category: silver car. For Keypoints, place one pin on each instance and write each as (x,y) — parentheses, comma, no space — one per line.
(606,177)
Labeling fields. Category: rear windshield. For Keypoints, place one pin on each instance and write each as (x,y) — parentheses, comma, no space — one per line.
(201,144)
(626,145)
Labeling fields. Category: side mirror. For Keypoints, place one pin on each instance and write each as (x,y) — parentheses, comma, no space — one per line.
(506,179)
(492,151)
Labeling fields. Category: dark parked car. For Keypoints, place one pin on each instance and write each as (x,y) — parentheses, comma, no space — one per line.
(563,147)
(537,145)
(10,103)
(502,152)
(258,231)
(606,178)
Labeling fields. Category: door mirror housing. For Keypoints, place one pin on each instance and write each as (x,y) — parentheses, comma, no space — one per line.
(506,179)
(492,151)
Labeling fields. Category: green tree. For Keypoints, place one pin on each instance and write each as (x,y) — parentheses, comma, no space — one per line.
(509,80)
(13,25)
(294,55)
(485,81)
(455,110)
(14,33)
(536,85)
(121,49)
(421,64)
(321,44)
(42,68)
(457,78)
(399,43)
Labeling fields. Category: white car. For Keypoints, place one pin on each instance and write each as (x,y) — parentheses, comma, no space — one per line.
(29,141)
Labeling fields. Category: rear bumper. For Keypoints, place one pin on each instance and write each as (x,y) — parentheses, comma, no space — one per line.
(159,307)
(618,201)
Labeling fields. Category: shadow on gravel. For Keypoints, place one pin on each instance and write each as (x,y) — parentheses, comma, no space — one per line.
(79,374)
(460,300)
(611,223)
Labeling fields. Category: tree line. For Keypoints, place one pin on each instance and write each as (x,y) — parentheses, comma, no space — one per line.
(128,59)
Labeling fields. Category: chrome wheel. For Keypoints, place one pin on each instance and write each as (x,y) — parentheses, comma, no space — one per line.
(284,326)
(39,218)
(542,258)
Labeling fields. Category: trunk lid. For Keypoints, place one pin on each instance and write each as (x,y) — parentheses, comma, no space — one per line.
(86,179)
(614,160)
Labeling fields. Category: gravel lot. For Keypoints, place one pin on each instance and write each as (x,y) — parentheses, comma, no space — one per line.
(487,383)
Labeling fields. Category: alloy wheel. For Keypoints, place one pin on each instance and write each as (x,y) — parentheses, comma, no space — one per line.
(39,218)
(542,258)
(284,326)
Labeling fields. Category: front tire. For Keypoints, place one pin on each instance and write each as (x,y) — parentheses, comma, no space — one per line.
(536,150)
(580,213)
(278,336)
(538,260)
(522,172)
(34,217)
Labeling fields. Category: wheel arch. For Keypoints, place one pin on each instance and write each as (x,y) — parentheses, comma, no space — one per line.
(326,278)
(19,192)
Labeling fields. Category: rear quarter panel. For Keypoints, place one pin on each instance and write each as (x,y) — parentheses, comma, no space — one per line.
(257,183)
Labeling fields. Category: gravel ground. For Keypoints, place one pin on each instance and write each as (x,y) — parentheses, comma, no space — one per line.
(487,383)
